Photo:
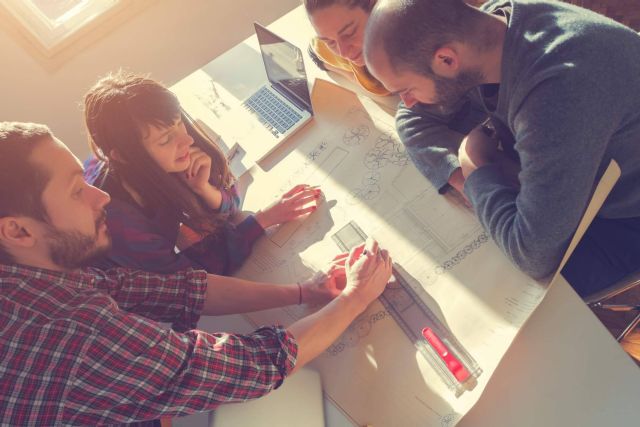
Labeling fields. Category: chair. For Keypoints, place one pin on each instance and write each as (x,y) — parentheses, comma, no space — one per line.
(604,300)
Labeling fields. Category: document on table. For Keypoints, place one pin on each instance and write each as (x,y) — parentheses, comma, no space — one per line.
(373,373)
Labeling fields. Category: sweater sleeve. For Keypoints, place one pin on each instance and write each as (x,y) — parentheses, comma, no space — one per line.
(240,241)
(432,136)
(561,138)
(138,244)
(230,200)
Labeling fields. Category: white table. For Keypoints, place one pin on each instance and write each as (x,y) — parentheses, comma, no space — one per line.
(564,369)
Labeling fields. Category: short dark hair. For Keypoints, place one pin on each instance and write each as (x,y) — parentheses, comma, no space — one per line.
(313,5)
(21,181)
(410,31)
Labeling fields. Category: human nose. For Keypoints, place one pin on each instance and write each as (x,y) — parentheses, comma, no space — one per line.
(408,100)
(344,49)
(100,198)
(186,139)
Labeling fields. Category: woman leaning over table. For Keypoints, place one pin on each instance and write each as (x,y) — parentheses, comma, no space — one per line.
(339,25)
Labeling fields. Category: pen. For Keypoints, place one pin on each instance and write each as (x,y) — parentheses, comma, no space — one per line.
(453,364)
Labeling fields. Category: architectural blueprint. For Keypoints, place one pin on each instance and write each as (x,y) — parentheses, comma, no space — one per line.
(373,372)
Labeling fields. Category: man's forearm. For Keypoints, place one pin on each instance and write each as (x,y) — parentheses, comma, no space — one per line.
(228,295)
(316,332)
(456,180)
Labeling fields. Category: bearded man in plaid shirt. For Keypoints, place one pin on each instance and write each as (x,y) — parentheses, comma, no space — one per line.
(81,346)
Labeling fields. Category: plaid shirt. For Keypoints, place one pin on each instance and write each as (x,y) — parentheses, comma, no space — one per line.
(72,351)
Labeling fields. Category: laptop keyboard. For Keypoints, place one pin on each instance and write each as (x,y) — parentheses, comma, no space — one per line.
(272,112)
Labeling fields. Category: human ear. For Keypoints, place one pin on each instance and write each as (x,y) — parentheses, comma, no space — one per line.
(446,62)
(115,155)
(15,232)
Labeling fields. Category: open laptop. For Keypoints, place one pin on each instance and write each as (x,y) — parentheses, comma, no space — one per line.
(283,105)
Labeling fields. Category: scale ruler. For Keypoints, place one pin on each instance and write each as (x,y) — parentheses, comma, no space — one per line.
(408,308)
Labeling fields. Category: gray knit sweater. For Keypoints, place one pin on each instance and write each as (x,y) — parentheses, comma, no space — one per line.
(570,96)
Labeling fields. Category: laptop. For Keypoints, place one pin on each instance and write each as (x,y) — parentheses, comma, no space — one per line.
(282,106)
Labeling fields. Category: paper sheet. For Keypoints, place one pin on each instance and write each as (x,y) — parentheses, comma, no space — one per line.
(211,106)
(373,373)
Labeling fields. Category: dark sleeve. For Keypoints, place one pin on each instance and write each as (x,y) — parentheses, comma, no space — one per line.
(224,252)
(562,128)
(240,241)
(138,244)
(432,136)
(230,200)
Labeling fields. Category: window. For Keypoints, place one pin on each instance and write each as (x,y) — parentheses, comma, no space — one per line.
(54,23)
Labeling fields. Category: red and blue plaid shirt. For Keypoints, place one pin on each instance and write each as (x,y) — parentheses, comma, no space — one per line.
(146,240)
(86,348)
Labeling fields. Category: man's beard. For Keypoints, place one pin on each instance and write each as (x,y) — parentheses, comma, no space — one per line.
(450,91)
(73,249)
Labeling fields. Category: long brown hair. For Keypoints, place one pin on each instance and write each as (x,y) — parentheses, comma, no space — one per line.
(116,110)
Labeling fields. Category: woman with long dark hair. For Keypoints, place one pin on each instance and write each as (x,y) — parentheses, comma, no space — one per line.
(165,176)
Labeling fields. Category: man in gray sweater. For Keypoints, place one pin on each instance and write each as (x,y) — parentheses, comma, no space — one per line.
(561,87)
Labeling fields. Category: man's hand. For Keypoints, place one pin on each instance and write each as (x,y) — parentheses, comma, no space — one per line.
(368,269)
(327,284)
(456,180)
(300,200)
(477,150)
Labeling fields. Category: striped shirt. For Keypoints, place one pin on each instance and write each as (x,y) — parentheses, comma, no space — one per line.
(86,348)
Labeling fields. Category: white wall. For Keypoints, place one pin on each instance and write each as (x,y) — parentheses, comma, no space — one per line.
(169,39)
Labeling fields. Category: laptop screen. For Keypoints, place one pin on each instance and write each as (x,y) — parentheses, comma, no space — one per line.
(284,65)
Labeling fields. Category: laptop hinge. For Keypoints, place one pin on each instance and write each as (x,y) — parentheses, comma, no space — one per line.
(282,90)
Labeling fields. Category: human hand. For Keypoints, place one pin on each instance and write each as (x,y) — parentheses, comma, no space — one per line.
(368,269)
(326,284)
(477,149)
(456,180)
(300,200)
(197,173)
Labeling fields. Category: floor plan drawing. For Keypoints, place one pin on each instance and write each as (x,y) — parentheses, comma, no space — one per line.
(366,175)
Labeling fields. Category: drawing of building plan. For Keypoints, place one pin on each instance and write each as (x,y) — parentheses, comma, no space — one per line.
(373,373)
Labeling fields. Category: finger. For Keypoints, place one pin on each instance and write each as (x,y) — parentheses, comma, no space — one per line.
(355,253)
(305,193)
(301,201)
(341,257)
(384,255)
(337,271)
(295,189)
(338,262)
(371,246)
(196,166)
(192,164)
(299,212)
